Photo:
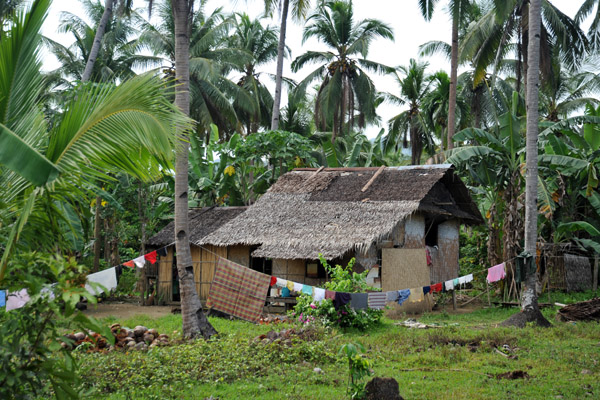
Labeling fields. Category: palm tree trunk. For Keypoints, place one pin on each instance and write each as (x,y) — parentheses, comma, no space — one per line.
(97,233)
(87,73)
(89,66)
(194,320)
(279,72)
(529,304)
(453,80)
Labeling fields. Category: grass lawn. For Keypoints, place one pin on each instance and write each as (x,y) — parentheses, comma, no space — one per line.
(456,360)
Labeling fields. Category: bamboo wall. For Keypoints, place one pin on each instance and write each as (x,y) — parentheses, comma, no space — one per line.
(165,277)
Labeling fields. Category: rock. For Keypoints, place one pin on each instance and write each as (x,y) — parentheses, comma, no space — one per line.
(115,327)
(585,372)
(382,389)
(79,336)
(163,336)
(318,370)
(139,330)
(141,346)
(131,344)
(153,332)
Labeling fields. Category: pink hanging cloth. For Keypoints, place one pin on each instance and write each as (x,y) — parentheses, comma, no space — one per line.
(496,273)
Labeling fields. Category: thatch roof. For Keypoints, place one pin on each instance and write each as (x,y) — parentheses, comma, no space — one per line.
(202,222)
(308,211)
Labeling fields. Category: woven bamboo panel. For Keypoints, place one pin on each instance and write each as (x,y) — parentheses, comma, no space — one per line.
(197,262)
(403,269)
(209,261)
(165,276)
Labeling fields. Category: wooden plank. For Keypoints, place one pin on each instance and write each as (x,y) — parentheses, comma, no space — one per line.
(379,171)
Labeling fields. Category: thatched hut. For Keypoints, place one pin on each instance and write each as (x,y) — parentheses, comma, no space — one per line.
(387,218)
(203,221)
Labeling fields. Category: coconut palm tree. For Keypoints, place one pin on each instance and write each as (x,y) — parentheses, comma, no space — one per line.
(594,30)
(253,103)
(458,10)
(194,321)
(47,169)
(299,11)
(529,304)
(489,39)
(436,106)
(345,89)
(124,8)
(414,87)
(209,54)
(116,54)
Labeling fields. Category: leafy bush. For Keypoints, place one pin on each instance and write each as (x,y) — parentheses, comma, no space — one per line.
(359,369)
(342,279)
(31,356)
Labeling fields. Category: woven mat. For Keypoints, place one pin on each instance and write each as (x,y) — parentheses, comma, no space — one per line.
(238,290)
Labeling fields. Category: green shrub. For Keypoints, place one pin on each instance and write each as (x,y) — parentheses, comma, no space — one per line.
(342,279)
(31,355)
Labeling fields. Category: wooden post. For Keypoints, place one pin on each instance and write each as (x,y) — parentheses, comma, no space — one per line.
(454,299)
(595,284)
(487,289)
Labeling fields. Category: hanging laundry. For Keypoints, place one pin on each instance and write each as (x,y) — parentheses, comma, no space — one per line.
(318,294)
(162,252)
(449,285)
(358,301)
(496,273)
(403,295)
(151,257)
(17,299)
(106,278)
(139,262)
(290,286)
(392,295)
(129,264)
(377,300)
(465,279)
(330,294)
(298,287)
(285,292)
(341,299)
(306,289)
(436,288)
(281,283)
(455,282)
(428,257)
(2,298)
(416,295)
(273,281)
(426,289)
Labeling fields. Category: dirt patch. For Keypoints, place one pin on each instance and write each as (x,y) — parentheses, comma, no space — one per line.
(123,310)
(489,340)
(513,375)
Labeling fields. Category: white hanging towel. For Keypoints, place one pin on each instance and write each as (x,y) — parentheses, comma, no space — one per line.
(281,283)
(106,278)
(140,261)
(318,294)
(465,279)
(449,284)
